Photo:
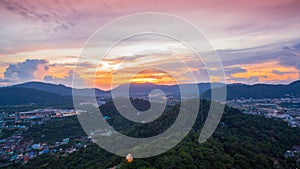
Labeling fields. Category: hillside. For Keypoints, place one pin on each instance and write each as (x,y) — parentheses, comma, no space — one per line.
(21,96)
(146,88)
(38,92)
(134,89)
(58,88)
(259,91)
(47,87)
(240,141)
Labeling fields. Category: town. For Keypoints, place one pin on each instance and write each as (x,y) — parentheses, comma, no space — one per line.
(16,148)
(286,109)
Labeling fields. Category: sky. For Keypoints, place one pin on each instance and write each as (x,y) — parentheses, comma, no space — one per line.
(257,42)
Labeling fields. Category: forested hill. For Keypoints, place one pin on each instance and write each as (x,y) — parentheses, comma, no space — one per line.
(58,88)
(20,96)
(259,91)
(240,141)
(39,92)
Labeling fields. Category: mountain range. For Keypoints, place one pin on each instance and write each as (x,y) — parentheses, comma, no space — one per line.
(259,91)
(39,92)
(57,88)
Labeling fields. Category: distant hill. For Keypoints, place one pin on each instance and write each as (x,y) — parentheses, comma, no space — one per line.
(145,88)
(57,88)
(47,87)
(259,91)
(39,92)
(20,96)
(135,89)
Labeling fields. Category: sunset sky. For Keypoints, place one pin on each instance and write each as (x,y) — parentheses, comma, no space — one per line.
(257,41)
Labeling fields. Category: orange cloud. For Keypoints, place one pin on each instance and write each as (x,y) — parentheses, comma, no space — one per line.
(265,72)
(106,79)
(153,76)
(58,71)
(2,70)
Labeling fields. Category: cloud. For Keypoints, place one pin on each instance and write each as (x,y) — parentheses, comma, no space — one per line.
(250,80)
(230,71)
(46,67)
(297,46)
(281,73)
(29,11)
(286,53)
(73,64)
(23,71)
(4,80)
(66,80)
(42,70)
(62,22)
(292,60)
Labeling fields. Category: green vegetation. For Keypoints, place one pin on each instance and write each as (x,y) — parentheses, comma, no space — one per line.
(238,91)
(25,96)
(240,141)
(4,133)
(55,130)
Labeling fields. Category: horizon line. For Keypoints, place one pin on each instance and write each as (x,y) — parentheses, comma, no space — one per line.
(147,83)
